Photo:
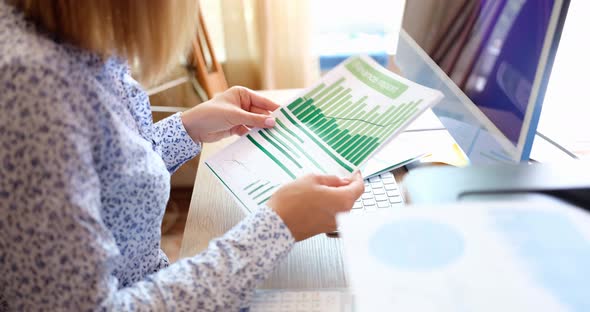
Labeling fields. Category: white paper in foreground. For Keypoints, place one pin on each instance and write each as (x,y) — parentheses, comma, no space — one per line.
(516,256)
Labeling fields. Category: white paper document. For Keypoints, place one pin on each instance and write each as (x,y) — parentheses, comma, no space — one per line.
(514,256)
(405,148)
(331,128)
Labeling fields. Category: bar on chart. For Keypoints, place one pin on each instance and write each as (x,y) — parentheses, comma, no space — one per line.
(353,128)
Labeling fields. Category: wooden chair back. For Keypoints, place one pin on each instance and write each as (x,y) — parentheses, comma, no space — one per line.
(208,71)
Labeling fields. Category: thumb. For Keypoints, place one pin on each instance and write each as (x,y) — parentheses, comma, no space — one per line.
(331,180)
(356,187)
(254,120)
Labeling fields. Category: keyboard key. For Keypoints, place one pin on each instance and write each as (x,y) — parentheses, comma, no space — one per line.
(377,185)
(357,205)
(392,193)
(369,202)
(378,191)
(389,181)
(380,198)
(368,196)
(387,175)
(370,208)
(390,187)
(383,204)
(395,199)
(374,179)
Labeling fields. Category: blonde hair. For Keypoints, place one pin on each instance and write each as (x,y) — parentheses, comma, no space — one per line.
(150,34)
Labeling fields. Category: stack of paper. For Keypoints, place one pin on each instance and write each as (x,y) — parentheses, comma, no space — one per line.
(332,128)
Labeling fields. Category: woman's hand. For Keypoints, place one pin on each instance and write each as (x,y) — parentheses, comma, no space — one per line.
(309,205)
(231,112)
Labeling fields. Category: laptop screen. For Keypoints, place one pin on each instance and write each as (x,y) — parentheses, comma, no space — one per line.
(491,50)
(497,54)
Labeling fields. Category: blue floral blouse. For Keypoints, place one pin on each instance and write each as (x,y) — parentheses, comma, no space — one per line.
(84,181)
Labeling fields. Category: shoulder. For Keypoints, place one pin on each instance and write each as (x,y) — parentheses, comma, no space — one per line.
(24,44)
(41,78)
(21,42)
(33,63)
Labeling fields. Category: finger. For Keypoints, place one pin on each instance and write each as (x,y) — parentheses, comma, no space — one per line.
(331,226)
(260,111)
(260,101)
(356,187)
(331,180)
(242,117)
(239,130)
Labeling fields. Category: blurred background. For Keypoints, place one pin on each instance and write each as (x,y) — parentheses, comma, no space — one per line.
(265,44)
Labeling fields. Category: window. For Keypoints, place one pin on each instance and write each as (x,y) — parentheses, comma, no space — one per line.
(347,27)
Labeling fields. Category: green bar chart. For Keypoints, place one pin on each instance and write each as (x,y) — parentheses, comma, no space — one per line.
(352,127)
(332,128)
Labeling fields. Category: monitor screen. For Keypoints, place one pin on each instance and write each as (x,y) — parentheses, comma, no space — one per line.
(491,49)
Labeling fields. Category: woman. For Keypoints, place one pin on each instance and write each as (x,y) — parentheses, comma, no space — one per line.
(84,173)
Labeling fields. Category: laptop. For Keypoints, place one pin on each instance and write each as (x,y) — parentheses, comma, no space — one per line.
(492,61)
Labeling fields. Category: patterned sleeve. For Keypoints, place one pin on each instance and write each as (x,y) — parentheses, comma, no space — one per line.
(57,254)
(173,142)
(222,278)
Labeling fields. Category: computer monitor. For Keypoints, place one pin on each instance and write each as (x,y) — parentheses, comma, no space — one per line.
(492,60)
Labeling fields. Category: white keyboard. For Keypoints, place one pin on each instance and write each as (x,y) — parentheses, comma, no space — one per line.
(381,192)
